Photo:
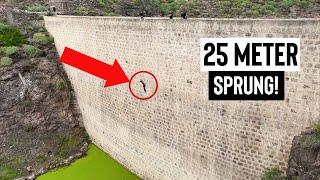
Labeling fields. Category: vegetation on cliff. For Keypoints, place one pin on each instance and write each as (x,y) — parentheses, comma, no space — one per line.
(273,174)
(194,8)
(217,8)
(304,160)
(39,120)
(36,7)
(10,36)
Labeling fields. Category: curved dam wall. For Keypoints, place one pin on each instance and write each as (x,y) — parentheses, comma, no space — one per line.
(180,134)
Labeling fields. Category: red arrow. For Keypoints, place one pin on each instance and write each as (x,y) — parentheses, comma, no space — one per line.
(113,75)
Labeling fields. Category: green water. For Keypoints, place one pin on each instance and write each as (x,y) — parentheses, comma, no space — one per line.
(96,165)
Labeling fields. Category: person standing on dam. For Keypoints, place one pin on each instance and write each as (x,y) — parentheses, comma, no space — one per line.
(170,15)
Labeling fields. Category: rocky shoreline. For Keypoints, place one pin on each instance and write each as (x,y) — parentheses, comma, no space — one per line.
(53,166)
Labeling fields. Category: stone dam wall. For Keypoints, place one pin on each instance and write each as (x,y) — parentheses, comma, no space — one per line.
(179,134)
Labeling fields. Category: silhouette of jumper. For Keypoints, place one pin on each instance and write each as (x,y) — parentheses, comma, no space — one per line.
(143,85)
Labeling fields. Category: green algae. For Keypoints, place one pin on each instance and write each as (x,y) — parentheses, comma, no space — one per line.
(95,165)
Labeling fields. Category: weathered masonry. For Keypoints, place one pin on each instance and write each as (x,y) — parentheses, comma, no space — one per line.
(179,134)
(60,6)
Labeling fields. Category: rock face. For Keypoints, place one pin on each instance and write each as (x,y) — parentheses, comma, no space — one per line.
(304,161)
(40,124)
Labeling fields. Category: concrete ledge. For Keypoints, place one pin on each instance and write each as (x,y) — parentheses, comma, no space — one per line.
(189,19)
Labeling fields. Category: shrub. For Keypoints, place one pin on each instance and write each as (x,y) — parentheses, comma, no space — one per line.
(5,61)
(26,103)
(3,25)
(102,2)
(36,8)
(167,7)
(316,127)
(41,38)
(84,11)
(29,127)
(10,50)
(10,36)
(311,141)
(222,8)
(298,3)
(192,7)
(272,174)
(86,135)
(42,159)
(109,13)
(40,18)
(7,172)
(60,84)
(66,144)
(151,8)
(249,8)
(41,29)
(30,50)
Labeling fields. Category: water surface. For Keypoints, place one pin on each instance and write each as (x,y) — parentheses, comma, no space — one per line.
(95,165)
